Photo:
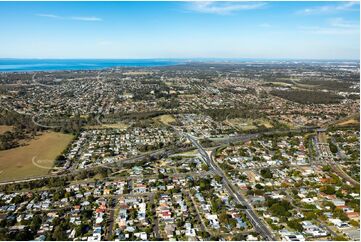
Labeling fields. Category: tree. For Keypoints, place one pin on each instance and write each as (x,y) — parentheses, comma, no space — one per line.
(216,204)
(326,168)
(218,178)
(295,224)
(205,167)
(204,185)
(339,213)
(328,189)
(279,210)
(339,238)
(36,223)
(266,173)
(59,234)
(24,235)
(17,199)
(81,229)
(333,147)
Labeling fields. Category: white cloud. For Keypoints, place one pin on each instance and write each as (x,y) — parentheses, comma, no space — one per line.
(48,15)
(336,26)
(345,6)
(78,18)
(86,18)
(341,23)
(223,8)
(327,30)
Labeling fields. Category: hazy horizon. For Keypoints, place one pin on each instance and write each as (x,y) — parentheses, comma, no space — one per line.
(186,58)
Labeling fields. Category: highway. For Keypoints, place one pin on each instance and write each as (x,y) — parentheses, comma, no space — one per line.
(250,213)
(33,118)
(245,137)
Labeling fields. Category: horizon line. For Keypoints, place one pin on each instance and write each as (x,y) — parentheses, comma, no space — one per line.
(174,58)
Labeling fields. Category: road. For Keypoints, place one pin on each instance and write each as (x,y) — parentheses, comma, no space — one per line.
(325,226)
(246,137)
(325,155)
(75,171)
(34,82)
(250,213)
(33,118)
(301,210)
(109,230)
(200,218)
(97,119)
(156,222)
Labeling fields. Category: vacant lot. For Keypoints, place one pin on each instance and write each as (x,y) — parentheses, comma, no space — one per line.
(243,124)
(137,73)
(118,125)
(349,122)
(165,119)
(281,84)
(190,153)
(322,137)
(4,128)
(19,162)
(249,124)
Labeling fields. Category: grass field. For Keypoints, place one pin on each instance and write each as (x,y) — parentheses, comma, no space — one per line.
(19,162)
(249,124)
(4,128)
(348,122)
(322,137)
(187,153)
(187,96)
(243,124)
(165,119)
(281,84)
(287,123)
(306,86)
(264,122)
(137,73)
(109,126)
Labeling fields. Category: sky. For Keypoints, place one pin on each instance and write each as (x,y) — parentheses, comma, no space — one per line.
(293,30)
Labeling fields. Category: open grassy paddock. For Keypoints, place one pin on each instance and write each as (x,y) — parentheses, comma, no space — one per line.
(348,122)
(119,125)
(249,124)
(165,119)
(322,137)
(19,162)
(4,128)
(190,153)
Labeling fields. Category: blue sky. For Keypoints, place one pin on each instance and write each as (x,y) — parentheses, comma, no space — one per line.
(305,30)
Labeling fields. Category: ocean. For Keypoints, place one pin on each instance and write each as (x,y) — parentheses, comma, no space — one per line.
(22,65)
(29,65)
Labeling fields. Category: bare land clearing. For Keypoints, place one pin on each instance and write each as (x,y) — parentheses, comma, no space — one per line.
(5,128)
(165,119)
(119,125)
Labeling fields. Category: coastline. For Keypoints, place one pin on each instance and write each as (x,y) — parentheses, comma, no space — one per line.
(51,65)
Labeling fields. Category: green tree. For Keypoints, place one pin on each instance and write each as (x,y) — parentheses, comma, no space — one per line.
(266,173)
(295,224)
